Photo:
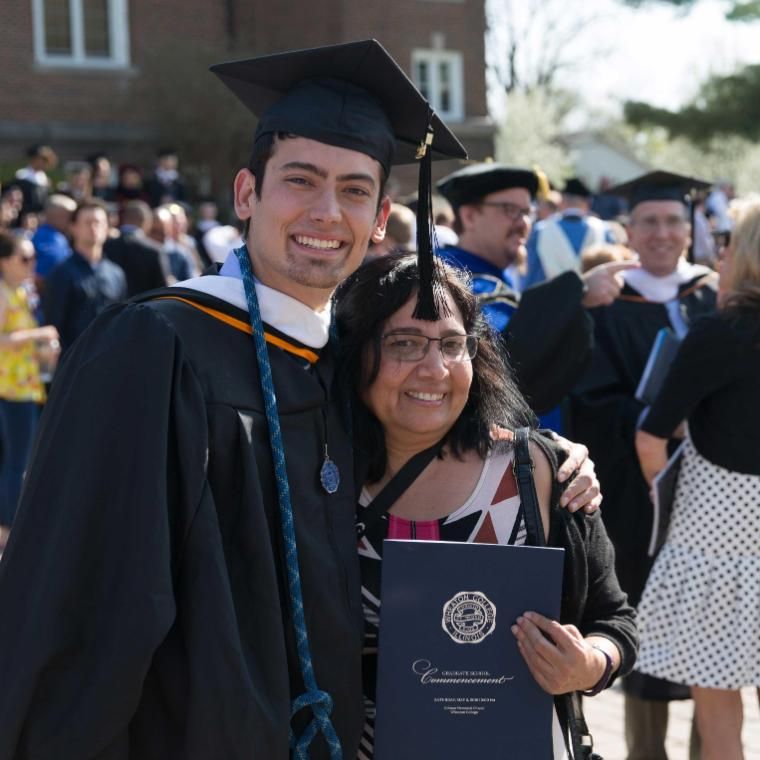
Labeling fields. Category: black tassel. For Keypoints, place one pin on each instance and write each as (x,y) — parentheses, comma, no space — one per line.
(431,295)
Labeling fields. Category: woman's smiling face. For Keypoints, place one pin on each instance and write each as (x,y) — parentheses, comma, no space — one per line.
(417,402)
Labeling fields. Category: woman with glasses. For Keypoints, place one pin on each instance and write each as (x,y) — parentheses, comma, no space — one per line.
(445,387)
(700,611)
(21,390)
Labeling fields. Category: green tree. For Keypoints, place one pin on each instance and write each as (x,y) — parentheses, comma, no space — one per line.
(731,158)
(725,105)
(737,10)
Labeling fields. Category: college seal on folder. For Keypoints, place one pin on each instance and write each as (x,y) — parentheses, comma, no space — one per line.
(469,617)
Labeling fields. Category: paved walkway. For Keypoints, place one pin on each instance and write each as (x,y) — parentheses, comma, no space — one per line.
(604,714)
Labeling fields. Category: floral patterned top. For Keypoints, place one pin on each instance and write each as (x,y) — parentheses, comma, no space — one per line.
(19,370)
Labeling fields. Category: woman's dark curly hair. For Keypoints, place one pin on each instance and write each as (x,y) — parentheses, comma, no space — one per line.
(365,302)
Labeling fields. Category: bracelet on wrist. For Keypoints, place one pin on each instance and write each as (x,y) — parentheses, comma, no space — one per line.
(603,682)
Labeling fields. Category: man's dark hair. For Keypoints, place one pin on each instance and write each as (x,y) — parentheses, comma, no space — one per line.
(365,302)
(262,152)
(457,224)
(88,204)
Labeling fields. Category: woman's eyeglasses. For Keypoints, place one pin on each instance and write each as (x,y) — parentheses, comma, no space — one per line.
(411,347)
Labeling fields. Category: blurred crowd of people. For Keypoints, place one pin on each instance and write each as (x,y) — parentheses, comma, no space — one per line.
(70,248)
(578,282)
(135,231)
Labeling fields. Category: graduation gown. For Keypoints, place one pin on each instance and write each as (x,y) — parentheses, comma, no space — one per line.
(605,412)
(143,603)
(547,332)
(550,339)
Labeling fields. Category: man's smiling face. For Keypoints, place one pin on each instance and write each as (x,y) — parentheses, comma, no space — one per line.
(314,219)
(659,232)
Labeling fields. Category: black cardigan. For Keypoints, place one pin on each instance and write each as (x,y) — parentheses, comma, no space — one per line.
(592,599)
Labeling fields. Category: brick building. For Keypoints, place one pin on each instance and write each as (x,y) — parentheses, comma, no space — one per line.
(127,76)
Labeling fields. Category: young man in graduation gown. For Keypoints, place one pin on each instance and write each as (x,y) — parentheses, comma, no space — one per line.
(146,596)
(549,336)
(666,291)
(163,594)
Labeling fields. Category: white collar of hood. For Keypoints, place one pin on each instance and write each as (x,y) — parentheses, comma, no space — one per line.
(286,314)
(662,289)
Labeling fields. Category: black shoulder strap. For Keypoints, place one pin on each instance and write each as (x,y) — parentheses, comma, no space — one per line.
(394,488)
(579,743)
(523,469)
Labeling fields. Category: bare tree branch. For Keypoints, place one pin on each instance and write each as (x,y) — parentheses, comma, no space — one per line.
(533,41)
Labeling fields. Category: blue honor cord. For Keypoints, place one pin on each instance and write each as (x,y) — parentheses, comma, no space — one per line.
(319,701)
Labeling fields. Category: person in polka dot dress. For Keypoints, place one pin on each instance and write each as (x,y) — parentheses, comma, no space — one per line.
(700,612)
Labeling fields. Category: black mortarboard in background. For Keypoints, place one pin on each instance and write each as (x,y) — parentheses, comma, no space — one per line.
(472,183)
(658,186)
(575,186)
(353,96)
(662,186)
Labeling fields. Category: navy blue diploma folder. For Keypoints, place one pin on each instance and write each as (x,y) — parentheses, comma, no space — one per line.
(451,682)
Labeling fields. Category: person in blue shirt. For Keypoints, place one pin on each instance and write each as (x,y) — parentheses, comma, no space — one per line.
(50,242)
(546,329)
(555,244)
(79,288)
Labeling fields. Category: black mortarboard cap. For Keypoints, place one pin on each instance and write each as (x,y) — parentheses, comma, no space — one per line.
(576,186)
(658,186)
(470,184)
(353,96)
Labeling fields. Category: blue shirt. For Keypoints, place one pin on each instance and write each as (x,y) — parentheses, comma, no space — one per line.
(76,291)
(52,247)
(487,280)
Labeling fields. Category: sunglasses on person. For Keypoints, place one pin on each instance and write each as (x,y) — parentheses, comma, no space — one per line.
(412,347)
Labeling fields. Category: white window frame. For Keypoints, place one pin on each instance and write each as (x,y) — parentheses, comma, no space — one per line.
(118,32)
(456,66)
